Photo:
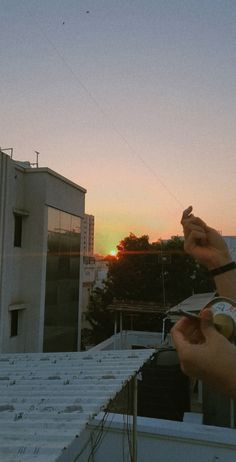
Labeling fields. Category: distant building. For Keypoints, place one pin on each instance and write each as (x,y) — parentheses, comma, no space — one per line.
(88,235)
(101,273)
(94,276)
(231,243)
(94,270)
(41,216)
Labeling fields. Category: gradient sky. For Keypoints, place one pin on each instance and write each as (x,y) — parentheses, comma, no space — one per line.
(133,100)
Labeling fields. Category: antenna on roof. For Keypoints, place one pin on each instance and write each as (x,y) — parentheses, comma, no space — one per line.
(36,164)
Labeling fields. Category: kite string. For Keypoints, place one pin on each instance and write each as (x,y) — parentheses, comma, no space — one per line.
(104,113)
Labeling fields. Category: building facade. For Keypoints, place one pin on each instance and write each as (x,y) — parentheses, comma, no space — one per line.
(88,236)
(41,216)
(88,265)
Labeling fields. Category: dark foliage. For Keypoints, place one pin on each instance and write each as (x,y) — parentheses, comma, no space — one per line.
(159,272)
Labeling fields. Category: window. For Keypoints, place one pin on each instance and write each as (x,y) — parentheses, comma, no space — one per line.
(17,230)
(14,323)
(62,281)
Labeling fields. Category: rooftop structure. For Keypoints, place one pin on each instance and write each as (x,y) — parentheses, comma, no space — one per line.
(194,303)
(46,400)
(136,307)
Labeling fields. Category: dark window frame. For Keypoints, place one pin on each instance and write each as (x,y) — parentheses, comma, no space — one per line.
(18,225)
(14,323)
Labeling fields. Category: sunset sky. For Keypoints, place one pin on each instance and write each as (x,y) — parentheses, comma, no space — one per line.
(135,100)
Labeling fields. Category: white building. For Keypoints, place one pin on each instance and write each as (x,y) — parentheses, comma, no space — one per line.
(101,273)
(94,277)
(41,214)
(94,270)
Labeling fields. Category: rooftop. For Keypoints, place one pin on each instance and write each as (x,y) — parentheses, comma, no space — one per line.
(46,400)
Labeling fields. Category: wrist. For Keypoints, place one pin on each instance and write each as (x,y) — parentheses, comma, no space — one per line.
(223,269)
(219,261)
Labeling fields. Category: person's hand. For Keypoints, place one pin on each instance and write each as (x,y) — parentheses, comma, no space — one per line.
(205,354)
(203,243)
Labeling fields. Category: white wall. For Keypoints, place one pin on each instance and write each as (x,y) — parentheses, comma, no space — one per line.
(157,440)
(128,338)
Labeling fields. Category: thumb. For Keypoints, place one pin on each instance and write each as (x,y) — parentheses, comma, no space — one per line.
(207,326)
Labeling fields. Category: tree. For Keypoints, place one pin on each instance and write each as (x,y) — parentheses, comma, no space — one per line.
(181,274)
(159,272)
(99,317)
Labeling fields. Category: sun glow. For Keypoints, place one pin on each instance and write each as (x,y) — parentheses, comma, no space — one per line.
(113,253)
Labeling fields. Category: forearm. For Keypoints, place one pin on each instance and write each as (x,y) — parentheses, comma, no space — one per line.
(225,281)
(226,284)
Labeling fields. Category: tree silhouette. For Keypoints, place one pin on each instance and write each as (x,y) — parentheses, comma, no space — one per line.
(159,272)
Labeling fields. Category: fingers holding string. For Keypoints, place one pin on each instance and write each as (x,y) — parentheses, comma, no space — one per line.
(193,333)
(196,237)
(189,217)
(190,222)
(187,213)
(187,331)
